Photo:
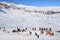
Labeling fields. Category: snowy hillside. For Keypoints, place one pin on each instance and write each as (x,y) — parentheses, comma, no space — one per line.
(22,22)
(12,15)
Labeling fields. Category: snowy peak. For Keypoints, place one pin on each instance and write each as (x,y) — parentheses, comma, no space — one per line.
(7,5)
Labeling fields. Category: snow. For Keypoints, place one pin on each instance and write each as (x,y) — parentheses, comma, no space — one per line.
(21,17)
(28,16)
(26,36)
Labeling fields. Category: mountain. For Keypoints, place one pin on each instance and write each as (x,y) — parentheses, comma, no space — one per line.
(13,15)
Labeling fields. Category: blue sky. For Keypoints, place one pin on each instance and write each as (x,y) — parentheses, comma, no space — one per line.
(35,2)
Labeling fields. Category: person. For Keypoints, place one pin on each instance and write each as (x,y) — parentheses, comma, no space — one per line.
(0,28)
(30,32)
(52,34)
(58,31)
(39,28)
(34,29)
(42,32)
(46,29)
(37,36)
(14,30)
(42,29)
(25,28)
(50,29)
(18,29)
(4,29)
(48,32)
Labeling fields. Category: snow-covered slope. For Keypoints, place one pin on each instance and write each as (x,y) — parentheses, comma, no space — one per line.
(12,15)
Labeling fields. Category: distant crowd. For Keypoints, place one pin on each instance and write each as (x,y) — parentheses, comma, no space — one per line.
(45,31)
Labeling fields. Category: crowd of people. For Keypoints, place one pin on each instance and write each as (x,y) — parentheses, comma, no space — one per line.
(45,31)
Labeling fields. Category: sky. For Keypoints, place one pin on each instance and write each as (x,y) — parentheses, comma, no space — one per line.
(35,2)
